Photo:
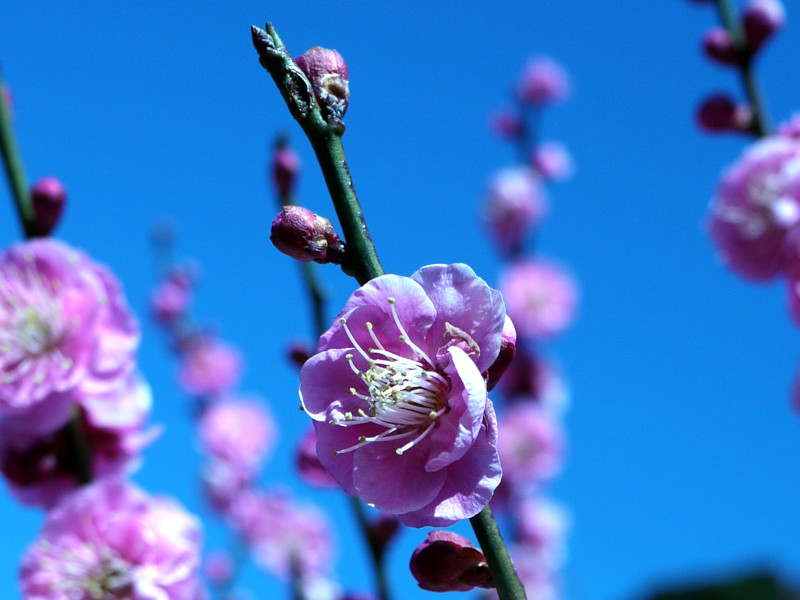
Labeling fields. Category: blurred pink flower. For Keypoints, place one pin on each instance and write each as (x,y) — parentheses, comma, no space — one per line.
(543,81)
(515,204)
(540,298)
(506,125)
(63,323)
(218,567)
(398,398)
(171,298)
(542,527)
(110,540)
(757,204)
(552,161)
(35,456)
(239,431)
(529,443)
(532,379)
(209,367)
(761,19)
(223,482)
(279,530)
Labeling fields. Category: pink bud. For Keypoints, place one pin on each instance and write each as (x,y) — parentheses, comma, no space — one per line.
(382,531)
(298,353)
(447,562)
(285,167)
(47,197)
(761,19)
(508,348)
(306,236)
(327,72)
(506,125)
(718,114)
(718,46)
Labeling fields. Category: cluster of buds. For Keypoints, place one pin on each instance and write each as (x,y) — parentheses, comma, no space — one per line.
(759,21)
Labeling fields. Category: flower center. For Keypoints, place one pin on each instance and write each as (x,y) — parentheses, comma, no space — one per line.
(88,572)
(31,324)
(405,396)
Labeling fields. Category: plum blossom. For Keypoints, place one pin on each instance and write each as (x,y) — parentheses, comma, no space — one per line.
(757,204)
(530,446)
(543,81)
(515,204)
(35,456)
(63,323)
(111,540)
(398,398)
(540,298)
(209,367)
(281,531)
(239,431)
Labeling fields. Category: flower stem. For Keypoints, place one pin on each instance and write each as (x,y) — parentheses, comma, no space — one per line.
(15,171)
(78,449)
(494,549)
(376,552)
(361,260)
(732,23)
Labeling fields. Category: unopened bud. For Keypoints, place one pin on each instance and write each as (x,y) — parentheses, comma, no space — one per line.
(298,353)
(47,198)
(717,46)
(327,72)
(382,531)
(285,167)
(508,348)
(762,18)
(718,114)
(447,562)
(306,236)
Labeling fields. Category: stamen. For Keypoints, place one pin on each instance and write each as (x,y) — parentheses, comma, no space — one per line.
(415,441)
(343,323)
(403,335)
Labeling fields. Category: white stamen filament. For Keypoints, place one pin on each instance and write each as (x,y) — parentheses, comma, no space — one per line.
(404,395)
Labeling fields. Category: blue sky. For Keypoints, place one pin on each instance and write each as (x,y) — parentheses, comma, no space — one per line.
(683,447)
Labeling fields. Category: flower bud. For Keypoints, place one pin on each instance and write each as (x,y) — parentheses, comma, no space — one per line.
(761,19)
(306,236)
(382,531)
(552,161)
(47,197)
(447,562)
(506,125)
(717,46)
(285,167)
(718,114)
(327,72)
(508,348)
(298,353)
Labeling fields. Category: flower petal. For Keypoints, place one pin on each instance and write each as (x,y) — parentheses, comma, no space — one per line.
(395,483)
(464,300)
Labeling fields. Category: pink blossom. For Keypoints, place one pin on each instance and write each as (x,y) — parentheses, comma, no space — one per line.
(308,465)
(281,530)
(63,323)
(285,169)
(209,367)
(790,128)
(529,444)
(757,204)
(35,447)
(110,540)
(239,431)
(171,298)
(398,400)
(515,204)
(543,81)
(552,161)
(223,482)
(542,527)
(540,298)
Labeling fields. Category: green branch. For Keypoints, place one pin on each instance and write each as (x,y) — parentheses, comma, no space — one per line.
(494,549)
(15,172)
(361,260)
